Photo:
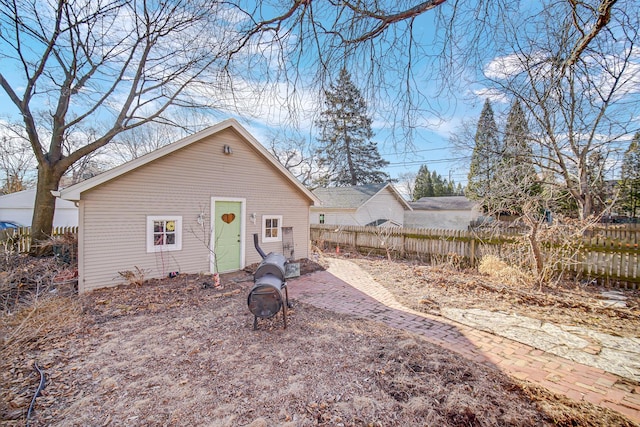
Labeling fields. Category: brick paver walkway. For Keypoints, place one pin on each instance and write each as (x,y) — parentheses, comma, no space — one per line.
(345,288)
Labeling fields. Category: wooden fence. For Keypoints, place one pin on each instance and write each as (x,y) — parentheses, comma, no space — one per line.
(611,257)
(20,238)
(628,233)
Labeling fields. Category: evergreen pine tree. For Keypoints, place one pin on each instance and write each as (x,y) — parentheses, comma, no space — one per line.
(423,186)
(486,156)
(431,184)
(439,185)
(517,161)
(451,188)
(347,154)
(630,182)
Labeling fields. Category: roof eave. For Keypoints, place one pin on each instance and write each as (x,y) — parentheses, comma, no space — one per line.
(395,193)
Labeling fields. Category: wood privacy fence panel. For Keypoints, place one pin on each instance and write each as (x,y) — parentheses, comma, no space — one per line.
(430,242)
(611,261)
(405,241)
(611,256)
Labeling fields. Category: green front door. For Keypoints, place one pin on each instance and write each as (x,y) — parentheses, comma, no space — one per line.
(226,243)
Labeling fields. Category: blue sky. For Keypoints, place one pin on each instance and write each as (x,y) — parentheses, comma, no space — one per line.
(431,144)
(443,116)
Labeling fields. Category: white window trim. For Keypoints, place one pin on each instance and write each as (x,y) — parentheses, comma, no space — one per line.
(264,228)
(151,248)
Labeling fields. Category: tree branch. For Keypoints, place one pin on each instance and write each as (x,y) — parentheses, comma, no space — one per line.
(387,20)
(603,18)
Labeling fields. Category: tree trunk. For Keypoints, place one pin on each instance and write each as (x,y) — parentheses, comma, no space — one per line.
(587,207)
(43,209)
(535,249)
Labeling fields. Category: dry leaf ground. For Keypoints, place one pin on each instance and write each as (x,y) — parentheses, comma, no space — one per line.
(179,352)
(429,288)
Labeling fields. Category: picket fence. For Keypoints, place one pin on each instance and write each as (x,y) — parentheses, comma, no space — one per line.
(20,238)
(604,256)
(609,255)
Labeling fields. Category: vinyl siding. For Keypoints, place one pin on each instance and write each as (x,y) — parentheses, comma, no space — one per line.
(443,219)
(334,216)
(381,206)
(384,205)
(113,215)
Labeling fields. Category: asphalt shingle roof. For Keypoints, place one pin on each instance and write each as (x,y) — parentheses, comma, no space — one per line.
(444,203)
(347,197)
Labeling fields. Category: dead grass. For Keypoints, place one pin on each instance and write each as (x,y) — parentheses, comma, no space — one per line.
(179,352)
(39,319)
(499,270)
(430,288)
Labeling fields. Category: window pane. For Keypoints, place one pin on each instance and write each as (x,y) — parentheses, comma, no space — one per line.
(164,233)
(158,239)
(274,232)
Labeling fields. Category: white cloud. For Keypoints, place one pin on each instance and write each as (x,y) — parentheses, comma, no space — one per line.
(504,67)
(605,79)
(274,105)
(494,95)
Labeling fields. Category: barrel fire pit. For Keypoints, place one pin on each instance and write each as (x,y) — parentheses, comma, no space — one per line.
(269,294)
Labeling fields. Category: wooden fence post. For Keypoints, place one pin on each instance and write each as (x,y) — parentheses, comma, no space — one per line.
(472,252)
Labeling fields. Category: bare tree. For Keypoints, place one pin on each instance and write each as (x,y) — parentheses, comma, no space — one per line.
(122,64)
(579,99)
(118,63)
(383,45)
(407,183)
(16,161)
(153,135)
(296,154)
(143,140)
(545,243)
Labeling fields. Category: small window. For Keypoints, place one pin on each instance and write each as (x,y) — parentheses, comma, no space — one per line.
(164,233)
(272,228)
(321,218)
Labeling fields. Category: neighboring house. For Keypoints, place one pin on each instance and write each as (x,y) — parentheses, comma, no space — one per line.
(189,207)
(447,212)
(18,207)
(372,204)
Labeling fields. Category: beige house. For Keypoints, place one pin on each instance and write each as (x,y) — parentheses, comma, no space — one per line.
(371,204)
(189,207)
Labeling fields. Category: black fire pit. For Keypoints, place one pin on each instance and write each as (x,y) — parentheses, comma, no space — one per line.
(269,294)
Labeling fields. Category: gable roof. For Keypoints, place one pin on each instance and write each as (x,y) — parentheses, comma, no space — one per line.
(355,196)
(443,203)
(74,192)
